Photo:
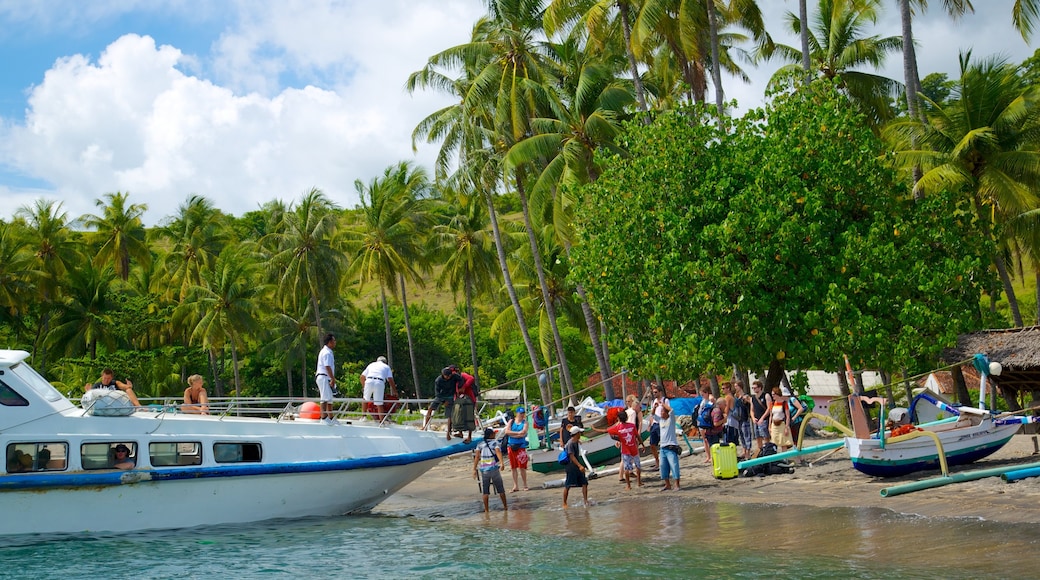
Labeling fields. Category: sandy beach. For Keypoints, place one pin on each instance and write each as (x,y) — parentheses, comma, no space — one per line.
(820,480)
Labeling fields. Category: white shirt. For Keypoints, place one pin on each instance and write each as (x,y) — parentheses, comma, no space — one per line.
(326,359)
(378,370)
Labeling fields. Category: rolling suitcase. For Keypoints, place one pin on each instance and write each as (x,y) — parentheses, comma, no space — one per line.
(724,461)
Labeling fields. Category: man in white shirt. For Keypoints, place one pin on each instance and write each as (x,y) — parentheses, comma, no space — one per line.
(325,376)
(375,378)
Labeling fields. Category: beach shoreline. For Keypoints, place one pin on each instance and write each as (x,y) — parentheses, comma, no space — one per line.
(819,481)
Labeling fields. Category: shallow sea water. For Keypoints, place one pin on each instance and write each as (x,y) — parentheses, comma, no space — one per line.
(659,538)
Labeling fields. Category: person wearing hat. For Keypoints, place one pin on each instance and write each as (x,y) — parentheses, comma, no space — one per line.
(516,435)
(374,379)
(487,462)
(575,469)
(444,388)
(121,457)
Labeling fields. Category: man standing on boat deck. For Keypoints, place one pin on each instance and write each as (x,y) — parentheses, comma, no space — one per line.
(445,387)
(108,381)
(374,379)
(325,376)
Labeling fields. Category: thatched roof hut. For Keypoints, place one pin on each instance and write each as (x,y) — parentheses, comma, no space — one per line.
(1016,349)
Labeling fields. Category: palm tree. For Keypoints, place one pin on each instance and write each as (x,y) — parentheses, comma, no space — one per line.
(983,143)
(594,15)
(196,237)
(387,239)
(16,288)
(683,26)
(467,130)
(465,246)
(837,47)
(308,262)
(911,76)
(54,252)
(955,8)
(118,234)
(223,309)
(585,119)
(85,317)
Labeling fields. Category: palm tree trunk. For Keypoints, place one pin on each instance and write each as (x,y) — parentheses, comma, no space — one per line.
(1036,275)
(288,378)
(550,308)
(716,68)
(218,387)
(803,15)
(1009,289)
(591,323)
(597,345)
(472,335)
(386,325)
(626,28)
(520,320)
(998,261)
(303,372)
(408,332)
(317,319)
(913,81)
(234,362)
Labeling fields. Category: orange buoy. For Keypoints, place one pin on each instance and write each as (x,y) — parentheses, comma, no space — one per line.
(310,410)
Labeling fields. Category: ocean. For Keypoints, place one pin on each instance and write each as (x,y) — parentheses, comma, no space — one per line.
(666,537)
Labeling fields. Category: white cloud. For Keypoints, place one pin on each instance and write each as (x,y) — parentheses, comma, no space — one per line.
(133,121)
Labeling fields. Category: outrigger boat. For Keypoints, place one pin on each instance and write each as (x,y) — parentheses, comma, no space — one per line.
(969,435)
(67,470)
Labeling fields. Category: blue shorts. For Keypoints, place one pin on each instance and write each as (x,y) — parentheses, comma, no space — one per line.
(631,463)
(655,434)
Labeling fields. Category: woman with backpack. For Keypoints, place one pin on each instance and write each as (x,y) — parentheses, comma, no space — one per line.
(487,461)
(780,421)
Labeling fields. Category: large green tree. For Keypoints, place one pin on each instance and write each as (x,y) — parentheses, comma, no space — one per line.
(788,240)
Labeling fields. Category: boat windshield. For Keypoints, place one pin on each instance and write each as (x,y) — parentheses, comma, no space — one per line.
(29,376)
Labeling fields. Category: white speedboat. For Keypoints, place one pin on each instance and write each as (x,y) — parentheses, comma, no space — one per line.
(66,471)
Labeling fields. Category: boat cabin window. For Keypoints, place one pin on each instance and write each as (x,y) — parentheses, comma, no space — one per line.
(29,457)
(106,456)
(174,454)
(9,398)
(35,381)
(236,452)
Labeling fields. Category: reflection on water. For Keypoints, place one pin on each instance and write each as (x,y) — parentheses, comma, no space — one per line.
(871,536)
(663,537)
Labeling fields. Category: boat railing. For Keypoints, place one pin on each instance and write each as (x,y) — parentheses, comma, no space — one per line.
(399,411)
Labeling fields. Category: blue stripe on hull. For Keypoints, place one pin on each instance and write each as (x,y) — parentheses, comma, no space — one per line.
(895,469)
(112,478)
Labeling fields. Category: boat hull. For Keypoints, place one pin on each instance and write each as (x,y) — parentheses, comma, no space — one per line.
(141,502)
(962,445)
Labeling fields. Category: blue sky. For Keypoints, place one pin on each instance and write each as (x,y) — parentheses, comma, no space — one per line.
(248,101)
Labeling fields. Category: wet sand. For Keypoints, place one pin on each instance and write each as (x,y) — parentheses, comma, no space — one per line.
(819,480)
